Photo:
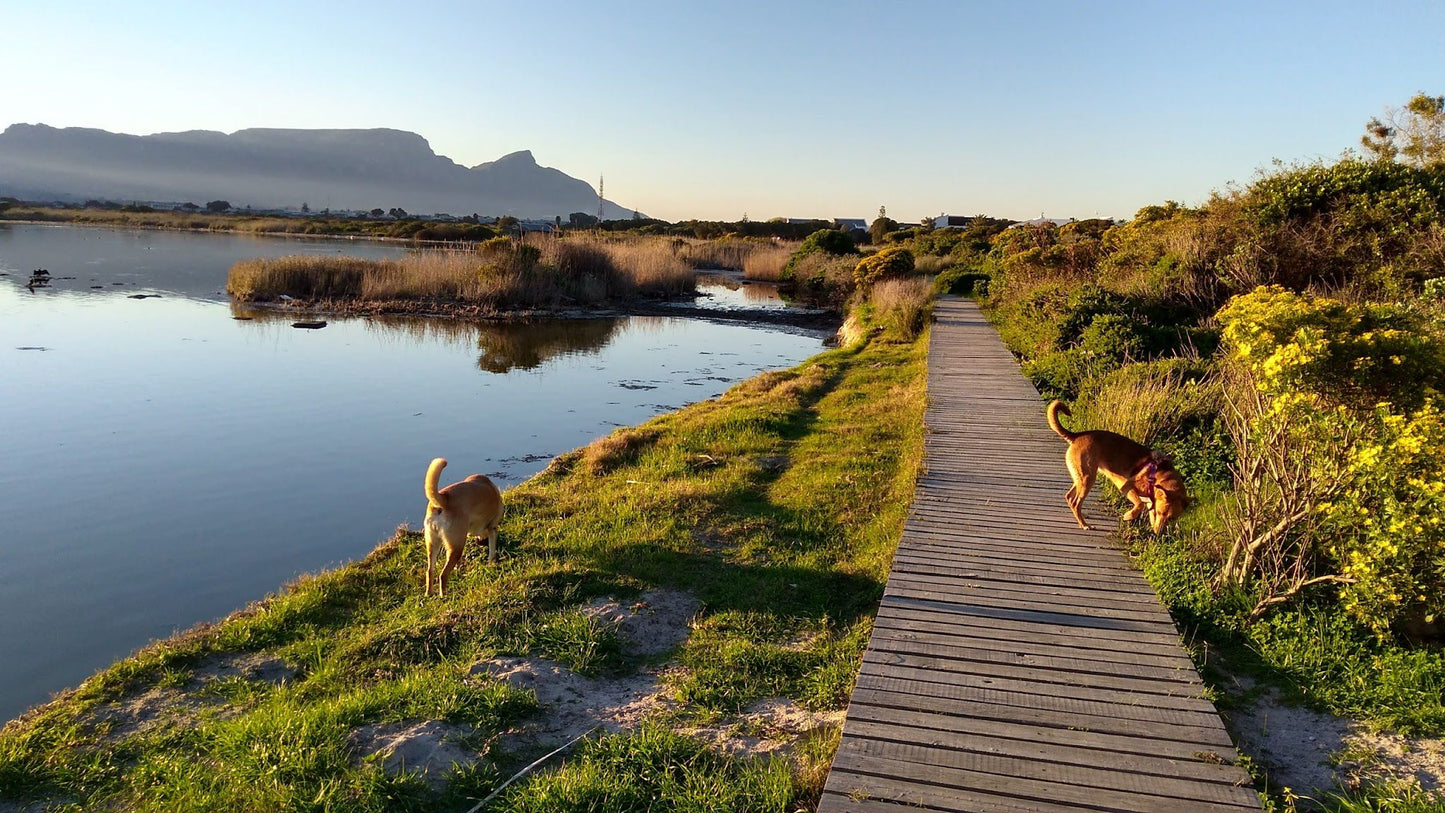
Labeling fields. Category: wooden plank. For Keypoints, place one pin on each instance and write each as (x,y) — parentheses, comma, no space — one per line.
(1047,679)
(1106,728)
(983,579)
(874,794)
(867,758)
(938,634)
(1020,655)
(1190,778)
(984,606)
(1083,642)
(1033,602)
(1118,787)
(1134,721)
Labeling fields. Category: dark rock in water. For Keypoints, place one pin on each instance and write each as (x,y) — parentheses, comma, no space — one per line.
(309,325)
(97,287)
(41,349)
(144,296)
(243,318)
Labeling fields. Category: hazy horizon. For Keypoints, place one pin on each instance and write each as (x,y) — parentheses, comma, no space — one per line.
(716,111)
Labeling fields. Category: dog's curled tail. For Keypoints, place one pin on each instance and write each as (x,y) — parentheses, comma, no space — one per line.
(433,474)
(1054,409)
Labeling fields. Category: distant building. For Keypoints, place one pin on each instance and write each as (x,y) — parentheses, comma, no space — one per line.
(1039,221)
(850,224)
(952,221)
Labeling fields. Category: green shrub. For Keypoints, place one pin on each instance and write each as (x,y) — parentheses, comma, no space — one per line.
(962,280)
(1057,374)
(894,262)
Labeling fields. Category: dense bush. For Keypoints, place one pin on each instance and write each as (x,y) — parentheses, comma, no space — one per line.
(894,262)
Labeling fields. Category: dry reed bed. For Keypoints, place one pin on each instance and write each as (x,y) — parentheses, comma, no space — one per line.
(498,275)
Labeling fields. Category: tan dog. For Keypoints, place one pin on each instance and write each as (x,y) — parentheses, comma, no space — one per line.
(1141,475)
(473,506)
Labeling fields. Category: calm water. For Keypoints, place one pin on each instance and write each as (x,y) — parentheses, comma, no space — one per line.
(163,462)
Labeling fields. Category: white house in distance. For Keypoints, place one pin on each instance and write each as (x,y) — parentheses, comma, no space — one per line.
(1041,220)
(951,221)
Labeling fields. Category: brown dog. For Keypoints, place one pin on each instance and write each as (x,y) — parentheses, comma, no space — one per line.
(473,506)
(1141,475)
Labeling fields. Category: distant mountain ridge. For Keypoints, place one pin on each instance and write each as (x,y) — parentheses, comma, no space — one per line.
(280,169)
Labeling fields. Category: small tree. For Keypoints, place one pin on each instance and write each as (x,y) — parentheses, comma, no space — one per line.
(881,226)
(1414,134)
(377,212)
(218,206)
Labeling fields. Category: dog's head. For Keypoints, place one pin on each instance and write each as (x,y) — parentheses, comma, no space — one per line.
(1169,500)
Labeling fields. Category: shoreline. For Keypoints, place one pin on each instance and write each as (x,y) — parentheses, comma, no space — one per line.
(811,319)
(370,238)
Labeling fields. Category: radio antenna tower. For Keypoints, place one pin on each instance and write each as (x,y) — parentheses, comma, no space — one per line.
(600,180)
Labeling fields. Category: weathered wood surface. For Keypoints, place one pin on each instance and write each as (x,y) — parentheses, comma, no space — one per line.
(1019,663)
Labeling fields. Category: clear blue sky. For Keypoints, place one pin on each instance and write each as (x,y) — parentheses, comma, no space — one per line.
(801,109)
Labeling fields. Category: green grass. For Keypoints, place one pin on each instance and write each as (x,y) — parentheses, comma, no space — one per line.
(655,769)
(778,505)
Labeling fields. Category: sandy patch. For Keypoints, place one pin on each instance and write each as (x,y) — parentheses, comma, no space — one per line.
(431,747)
(767,726)
(655,622)
(571,704)
(167,706)
(247,665)
(1314,753)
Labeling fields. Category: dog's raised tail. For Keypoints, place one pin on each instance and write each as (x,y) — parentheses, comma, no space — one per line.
(433,474)
(1054,409)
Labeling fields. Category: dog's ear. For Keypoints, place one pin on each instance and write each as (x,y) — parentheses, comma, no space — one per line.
(1161,459)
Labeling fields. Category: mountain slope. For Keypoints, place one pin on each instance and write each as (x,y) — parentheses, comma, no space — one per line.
(276,168)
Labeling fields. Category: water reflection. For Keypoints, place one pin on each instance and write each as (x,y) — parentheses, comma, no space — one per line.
(503,345)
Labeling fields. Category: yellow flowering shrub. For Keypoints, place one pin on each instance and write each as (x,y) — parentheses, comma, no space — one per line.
(1389,525)
(1349,353)
(1358,382)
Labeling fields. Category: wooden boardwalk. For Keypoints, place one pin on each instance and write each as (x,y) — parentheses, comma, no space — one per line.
(1019,663)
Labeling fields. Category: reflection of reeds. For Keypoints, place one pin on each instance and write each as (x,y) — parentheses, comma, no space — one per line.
(498,274)
(503,346)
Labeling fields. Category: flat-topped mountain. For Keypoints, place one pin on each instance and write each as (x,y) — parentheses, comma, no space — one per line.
(274,168)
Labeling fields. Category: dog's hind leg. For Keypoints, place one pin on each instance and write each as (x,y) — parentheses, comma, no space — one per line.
(492,544)
(454,556)
(432,543)
(1080,490)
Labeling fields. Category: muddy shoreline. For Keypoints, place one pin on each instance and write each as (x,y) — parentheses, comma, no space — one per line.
(448,309)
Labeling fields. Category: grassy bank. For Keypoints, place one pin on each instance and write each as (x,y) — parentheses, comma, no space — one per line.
(494,277)
(775,507)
